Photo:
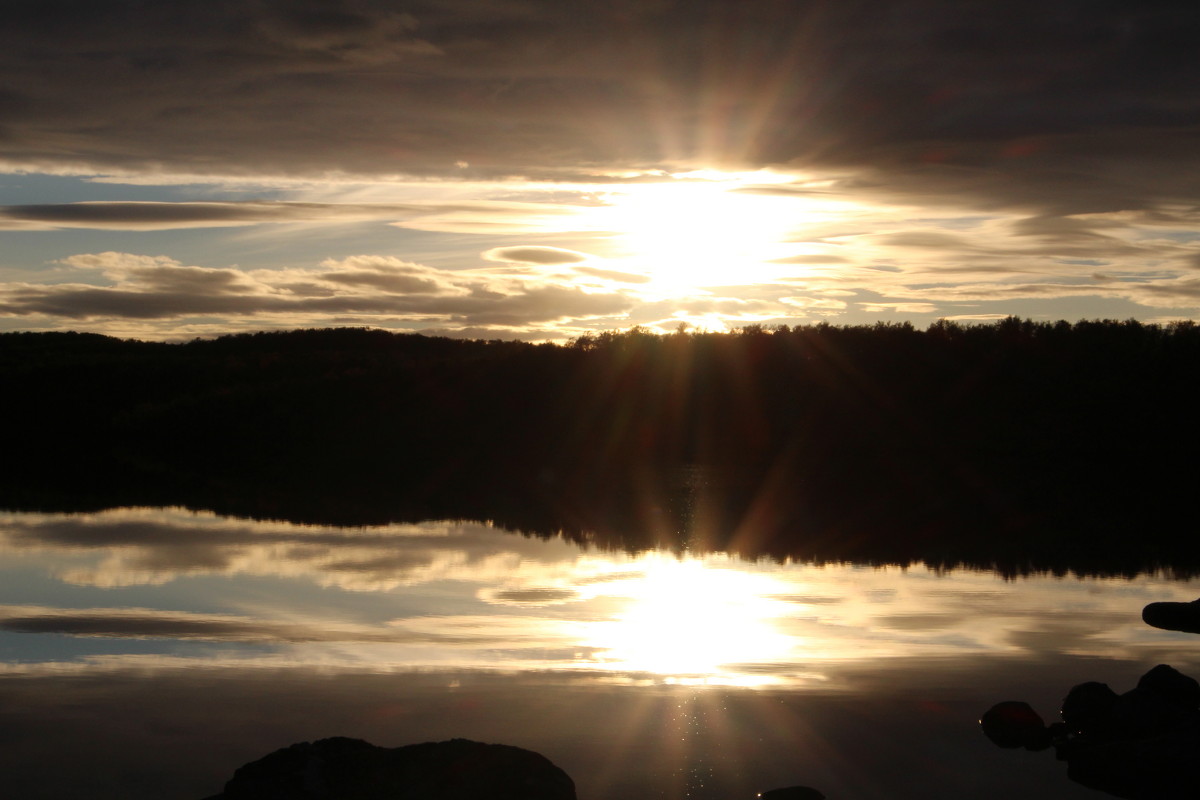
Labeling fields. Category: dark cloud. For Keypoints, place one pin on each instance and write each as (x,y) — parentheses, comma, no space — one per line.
(1074,237)
(532,254)
(151,288)
(1060,229)
(394,282)
(390,275)
(1075,106)
(134,215)
(86,302)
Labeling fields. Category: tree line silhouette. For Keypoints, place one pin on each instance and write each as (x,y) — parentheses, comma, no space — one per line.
(1019,444)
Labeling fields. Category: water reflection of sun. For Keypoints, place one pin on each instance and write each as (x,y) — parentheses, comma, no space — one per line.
(689,619)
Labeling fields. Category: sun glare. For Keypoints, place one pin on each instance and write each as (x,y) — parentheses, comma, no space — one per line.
(694,233)
(688,619)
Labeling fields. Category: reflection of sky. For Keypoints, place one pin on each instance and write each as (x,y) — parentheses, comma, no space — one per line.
(174,588)
(162,649)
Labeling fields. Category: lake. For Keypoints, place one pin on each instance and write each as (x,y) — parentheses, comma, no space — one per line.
(148,652)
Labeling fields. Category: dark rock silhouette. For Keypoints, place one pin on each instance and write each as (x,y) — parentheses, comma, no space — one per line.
(1139,745)
(351,769)
(1013,724)
(1173,616)
(1087,705)
(1182,690)
(792,793)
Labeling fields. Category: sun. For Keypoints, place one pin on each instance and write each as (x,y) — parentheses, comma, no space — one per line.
(699,232)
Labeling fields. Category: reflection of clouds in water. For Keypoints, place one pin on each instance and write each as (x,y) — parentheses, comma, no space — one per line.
(611,577)
(962,611)
(349,567)
(153,547)
(490,630)
(528,597)
(467,596)
(146,526)
(806,599)
(466,641)
(916,622)
(147,623)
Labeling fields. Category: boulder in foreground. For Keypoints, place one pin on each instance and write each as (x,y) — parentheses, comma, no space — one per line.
(351,769)
(1140,745)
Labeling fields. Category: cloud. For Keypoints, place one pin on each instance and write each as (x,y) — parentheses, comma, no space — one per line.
(151,216)
(999,104)
(162,275)
(883,263)
(1166,291)
(530,254)
(389,275)
(158,287)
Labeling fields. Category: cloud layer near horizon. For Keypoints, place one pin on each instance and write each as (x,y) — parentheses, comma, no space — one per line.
(158,287)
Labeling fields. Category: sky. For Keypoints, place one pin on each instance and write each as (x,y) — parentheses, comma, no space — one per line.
(541,169)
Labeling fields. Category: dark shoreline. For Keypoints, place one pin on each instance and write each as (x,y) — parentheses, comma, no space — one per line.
(1018,446)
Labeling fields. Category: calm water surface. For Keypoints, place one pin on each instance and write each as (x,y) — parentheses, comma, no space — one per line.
(152,651)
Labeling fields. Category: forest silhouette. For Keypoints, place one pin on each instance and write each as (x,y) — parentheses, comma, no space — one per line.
(1017,445)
